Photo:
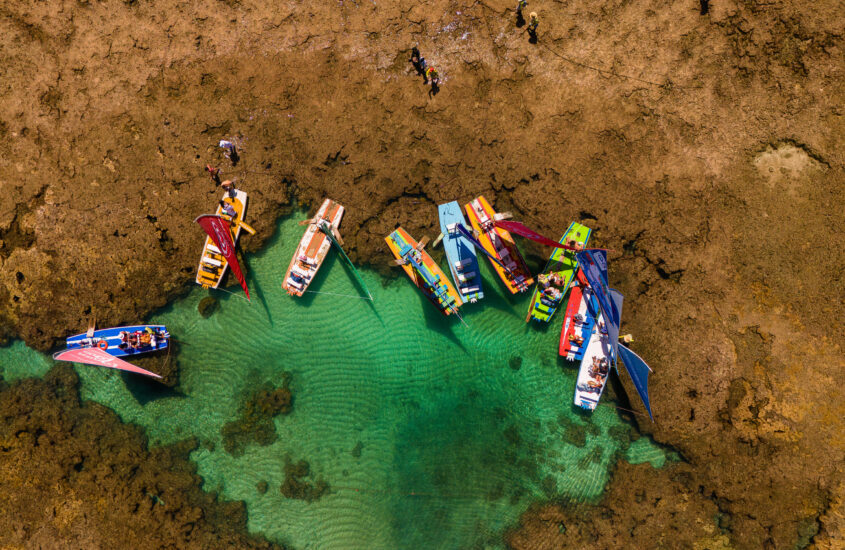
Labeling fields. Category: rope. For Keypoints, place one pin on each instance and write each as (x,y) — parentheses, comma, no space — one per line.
(342,295)
(233,294)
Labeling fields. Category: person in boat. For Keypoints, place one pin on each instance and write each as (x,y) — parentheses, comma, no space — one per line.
(577,339)
(144,338)
(578,319)
(228,209)
(543,280)
(602,328)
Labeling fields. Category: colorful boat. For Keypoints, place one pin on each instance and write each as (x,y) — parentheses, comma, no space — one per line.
(595,367)
(460,253)
(313,248)
(584,338)
(424,272)
(579,321)
(213,263)
(499,244)
(123,341)
(553,282)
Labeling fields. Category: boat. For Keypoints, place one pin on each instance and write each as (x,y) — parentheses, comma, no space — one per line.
(581,317)
(313,248)
(123,341)
(424,272)
(460,253)
(554,281)
(584,338)
(214,262)
(595,366)
(499,244)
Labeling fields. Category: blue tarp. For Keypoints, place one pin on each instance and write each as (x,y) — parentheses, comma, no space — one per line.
(593,263)
(471,238)
(638,370)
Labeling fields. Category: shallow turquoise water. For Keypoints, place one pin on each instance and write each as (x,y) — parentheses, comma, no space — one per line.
(453,443)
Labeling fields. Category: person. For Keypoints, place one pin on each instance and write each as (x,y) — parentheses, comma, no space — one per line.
(418,62)
(434,78)
(576,339)
(144,338)
(229,187)
(228,209)
(520,5)
(705,6)
(543,280)
(533,22)
(214,173)
(579,319)
(628,338)
(231,151)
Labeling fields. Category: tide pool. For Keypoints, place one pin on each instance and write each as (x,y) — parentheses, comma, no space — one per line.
(430,434)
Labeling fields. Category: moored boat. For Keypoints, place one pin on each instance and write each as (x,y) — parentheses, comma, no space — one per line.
(123,341)
(578,322)
(213,263)
(460,253)
(554,281)
(498,243)
(313,248)
(423,271)
(595,367)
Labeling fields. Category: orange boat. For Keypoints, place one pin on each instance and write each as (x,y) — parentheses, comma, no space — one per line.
(313,248)
(499,244)
(424,272)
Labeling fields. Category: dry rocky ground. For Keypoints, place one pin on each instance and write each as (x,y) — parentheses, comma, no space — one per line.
(706,151)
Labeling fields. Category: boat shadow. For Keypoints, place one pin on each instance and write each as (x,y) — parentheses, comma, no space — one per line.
(439,323)
(145,390)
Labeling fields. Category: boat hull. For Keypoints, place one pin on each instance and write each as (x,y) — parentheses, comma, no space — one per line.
(595,369)
(212,267)
(460,253)
(110,340)
(312,250)
(499,243)
(444,296)
(558,274)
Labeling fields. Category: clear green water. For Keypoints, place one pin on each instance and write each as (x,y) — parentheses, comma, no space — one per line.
(454,443)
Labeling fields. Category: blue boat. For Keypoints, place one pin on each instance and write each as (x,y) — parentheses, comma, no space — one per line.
(460,253)
(123,341)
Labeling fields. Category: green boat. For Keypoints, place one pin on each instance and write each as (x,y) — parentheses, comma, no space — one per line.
(553,282)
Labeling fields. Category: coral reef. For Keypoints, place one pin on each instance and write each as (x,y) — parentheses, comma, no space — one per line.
(705,152)
(73,476)
(255,421)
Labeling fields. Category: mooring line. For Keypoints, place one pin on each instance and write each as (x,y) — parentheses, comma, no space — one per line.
(342,295)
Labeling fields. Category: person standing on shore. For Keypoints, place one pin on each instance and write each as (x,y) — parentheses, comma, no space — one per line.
(520,5)
(231,151)
(418,62)
(214,173)
(533,22)
(434,78)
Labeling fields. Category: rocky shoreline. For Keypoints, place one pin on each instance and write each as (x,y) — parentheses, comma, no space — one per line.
(706,152)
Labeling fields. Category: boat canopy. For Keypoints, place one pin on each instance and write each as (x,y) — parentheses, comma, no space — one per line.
(638,371)
(217,228)
(528,233)
(99,358)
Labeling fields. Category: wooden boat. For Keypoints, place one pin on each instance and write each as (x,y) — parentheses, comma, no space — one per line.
(313,248)
(554,281)
(213,264)
(123,341)
(424,272)
(460,253)
(499,244)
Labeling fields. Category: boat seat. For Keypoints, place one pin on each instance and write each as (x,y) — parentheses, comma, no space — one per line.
(460,264)
(213,249)
(300,272)
(451,227)
(294,284)
(469,289)
(466,276)
(211,261)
